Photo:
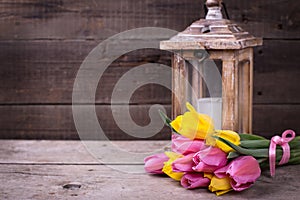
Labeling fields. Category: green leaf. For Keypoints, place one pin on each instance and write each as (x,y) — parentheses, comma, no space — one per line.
(255,144)
(164,117)
(295,143)
(245,136)
(259,153)
(166,120)
(233,154)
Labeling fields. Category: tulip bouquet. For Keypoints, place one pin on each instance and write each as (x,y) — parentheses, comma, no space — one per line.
(220,160)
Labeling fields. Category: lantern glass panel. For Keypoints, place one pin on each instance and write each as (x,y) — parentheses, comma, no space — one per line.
(205,92)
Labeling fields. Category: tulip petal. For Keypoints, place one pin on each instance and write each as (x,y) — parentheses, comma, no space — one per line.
(240,187)
(155,163)
(172,155)
(220,185)
(192,124)
(244,169)
(228,135)
(202,167)
(208,175)
(176,124)
(194,180)
(184,164)
(243,172)
(222,172)
(209,160)
(167,168)
(213,156)
(186,146)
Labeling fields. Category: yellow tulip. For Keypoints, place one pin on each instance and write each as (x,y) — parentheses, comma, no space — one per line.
(220,185)
(208,175)
(176,124)
(192,124)
(231,136)
(167,169)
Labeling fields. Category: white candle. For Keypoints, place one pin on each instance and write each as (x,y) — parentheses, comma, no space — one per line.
(213,108)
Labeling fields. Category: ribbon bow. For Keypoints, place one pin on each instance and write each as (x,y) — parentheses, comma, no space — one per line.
(284,143)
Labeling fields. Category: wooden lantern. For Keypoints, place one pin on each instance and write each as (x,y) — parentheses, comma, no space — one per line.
(217,39)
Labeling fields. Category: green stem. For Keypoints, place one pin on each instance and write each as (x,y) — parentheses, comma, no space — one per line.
(166,120)
(254,144)
(260,152)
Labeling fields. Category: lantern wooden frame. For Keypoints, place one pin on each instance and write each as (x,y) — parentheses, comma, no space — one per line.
(226,41)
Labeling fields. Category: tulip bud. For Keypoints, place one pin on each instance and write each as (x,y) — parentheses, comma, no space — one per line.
(155,163)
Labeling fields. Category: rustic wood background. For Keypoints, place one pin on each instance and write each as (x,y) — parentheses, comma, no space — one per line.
(43,42)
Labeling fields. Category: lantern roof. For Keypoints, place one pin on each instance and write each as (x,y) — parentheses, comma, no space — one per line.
(214,32)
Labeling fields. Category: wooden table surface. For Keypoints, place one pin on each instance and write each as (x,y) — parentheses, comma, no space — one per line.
(110,170)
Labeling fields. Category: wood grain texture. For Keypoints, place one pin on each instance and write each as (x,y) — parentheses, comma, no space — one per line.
(43,43)
(179,83)
(276,72)
(270,120)
(230,95)
(267,19)
(44,72)
(99,19)
(43,175)
(56,122)
(74,152)
(102,182)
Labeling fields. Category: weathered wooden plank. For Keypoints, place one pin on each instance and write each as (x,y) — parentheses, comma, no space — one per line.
(78,19)
(56,122)
(29,151)
(270,120)
(281,87)
(276,55)
(25,83)
(103,182)
(276,74)
(268,19)
(40,51)
(44,72)
(75,152)
(97,19)
(40,169)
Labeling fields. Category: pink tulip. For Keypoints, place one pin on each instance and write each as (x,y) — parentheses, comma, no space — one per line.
(185,145)
(184,164)
(209,159)
(243,172)
(155,163)
(194,180)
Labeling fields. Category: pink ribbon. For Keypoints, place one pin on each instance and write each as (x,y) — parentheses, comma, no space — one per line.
(284,143)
